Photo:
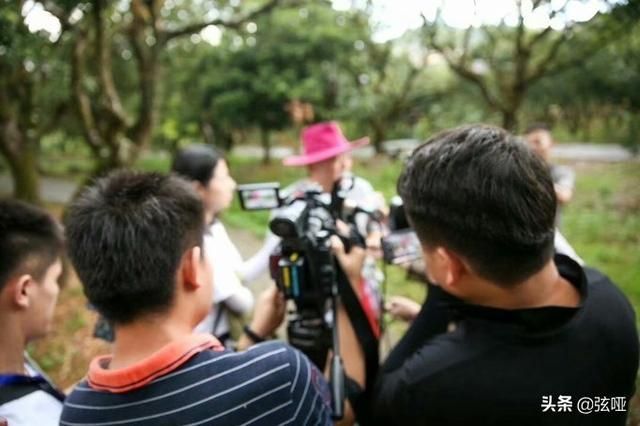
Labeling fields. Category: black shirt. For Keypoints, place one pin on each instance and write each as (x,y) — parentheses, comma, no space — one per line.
(538,366)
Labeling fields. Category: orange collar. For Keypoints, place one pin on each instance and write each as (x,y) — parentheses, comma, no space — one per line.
(158,364)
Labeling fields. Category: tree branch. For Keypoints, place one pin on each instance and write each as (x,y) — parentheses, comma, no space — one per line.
(465,44)
(616,24)
(236,23)
(147,65)
(461,69)
(8,124)
(545,32)
(83,103)
(105,70)
(53,122)
(491,54)
(541,68)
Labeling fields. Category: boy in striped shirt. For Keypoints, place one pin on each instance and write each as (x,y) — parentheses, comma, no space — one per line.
(136,243)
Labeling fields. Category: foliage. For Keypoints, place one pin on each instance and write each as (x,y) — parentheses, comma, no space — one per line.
(504,61)
(254,76)
(132,76)
(31,102)
(600,100)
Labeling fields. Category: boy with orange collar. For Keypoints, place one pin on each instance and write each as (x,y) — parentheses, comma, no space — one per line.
(136,243)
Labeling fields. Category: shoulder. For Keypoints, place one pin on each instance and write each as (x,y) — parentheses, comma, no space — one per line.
(268,352)
(279,354)
(37,407)
(431,375)
(441,355)
(306,385)
(605,296)
(211,382)
(561,169)
(217,236)
(361,184)
(561,172)
(297,186)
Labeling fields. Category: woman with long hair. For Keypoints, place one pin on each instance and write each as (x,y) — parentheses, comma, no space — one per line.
(207,169)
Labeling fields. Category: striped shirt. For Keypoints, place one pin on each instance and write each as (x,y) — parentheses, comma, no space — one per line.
(195,383)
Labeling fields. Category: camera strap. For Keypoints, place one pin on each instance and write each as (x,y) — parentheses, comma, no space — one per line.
(370,346)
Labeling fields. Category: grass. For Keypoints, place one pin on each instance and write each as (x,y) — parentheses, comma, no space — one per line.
(603,222)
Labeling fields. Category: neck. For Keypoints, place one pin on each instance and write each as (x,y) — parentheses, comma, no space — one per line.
(326,184)
(544,288)
(12,345)
(209,217)
(139,340)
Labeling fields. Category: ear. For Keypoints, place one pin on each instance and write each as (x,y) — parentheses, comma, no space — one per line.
(198,187)
(191,270)
(457,268)
(446,267)
(20,289)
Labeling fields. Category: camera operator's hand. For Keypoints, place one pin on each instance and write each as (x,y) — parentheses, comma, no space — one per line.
(351,262)
(402,308)
(267,317)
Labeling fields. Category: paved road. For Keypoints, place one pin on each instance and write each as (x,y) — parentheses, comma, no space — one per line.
(53,190)
(61,190)
(565,151)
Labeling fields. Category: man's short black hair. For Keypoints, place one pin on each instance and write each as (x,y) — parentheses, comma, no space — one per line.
(535,127)
(479,192)
(30,240)
(126,237)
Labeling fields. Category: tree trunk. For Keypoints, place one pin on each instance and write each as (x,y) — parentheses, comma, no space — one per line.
(22,157)
(265,139)
(510,120)
(378,136)
(24,173)
(26,181)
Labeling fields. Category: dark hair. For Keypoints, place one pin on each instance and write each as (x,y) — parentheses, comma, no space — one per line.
(479,192)
(30,240)
(126,237)
(197,163)
(534,127)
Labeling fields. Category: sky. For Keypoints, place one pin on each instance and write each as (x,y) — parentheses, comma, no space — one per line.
(393,17)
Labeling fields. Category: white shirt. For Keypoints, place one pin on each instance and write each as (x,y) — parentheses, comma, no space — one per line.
(37,408)
(226,263)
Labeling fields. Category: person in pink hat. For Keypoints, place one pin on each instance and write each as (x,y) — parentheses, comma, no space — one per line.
(325,153)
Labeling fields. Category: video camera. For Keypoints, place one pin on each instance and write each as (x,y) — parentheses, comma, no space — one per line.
(304,268)
(305,220)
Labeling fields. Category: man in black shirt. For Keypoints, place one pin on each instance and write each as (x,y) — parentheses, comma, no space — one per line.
(509,335)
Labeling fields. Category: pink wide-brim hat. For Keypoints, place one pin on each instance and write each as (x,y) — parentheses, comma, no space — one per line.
(323,141)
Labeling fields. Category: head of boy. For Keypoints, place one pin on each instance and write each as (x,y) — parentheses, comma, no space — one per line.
(540,140)
(135,240)
(483,207)
(31,246)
